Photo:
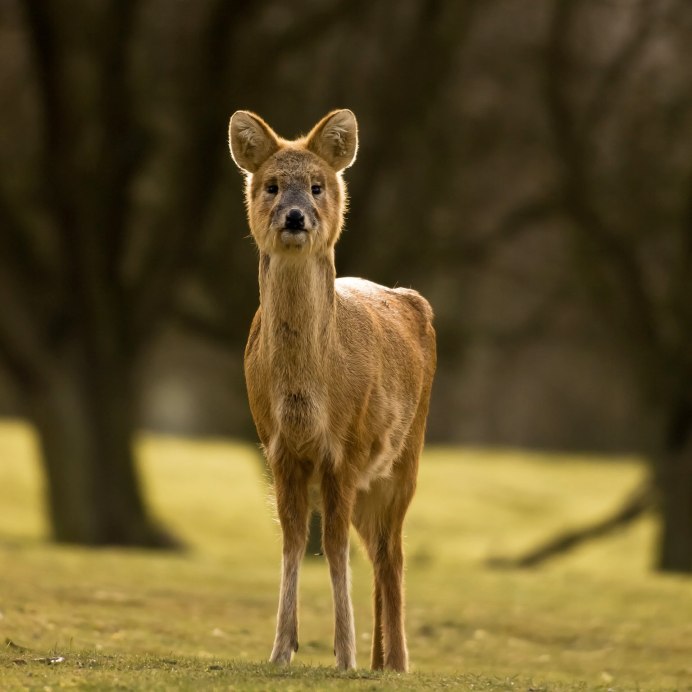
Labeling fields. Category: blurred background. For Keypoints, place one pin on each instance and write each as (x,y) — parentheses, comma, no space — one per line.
(526,165)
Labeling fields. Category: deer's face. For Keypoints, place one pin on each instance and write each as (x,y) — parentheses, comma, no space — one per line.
(295,203)
(295,193)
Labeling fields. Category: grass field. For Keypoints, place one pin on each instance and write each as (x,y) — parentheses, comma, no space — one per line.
(597,619)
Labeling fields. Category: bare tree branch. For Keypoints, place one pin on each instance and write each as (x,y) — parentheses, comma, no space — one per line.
(85,187)
(42,35)
(639,502)
(215,331)
(55,176)
(607,251)
(534,325)
(172,251)
(442,28)
(206,120)
(613,77)
(16,241)
(21,347)
(20,272)
(519,220)
(123,148)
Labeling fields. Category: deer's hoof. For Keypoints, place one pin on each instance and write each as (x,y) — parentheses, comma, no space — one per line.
(346,662)
(282,657)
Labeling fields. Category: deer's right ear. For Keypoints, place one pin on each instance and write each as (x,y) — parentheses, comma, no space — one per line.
(250,140)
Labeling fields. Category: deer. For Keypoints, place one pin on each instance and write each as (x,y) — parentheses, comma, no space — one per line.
(338,375)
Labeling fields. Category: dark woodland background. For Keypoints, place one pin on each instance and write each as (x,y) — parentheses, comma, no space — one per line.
(525,164)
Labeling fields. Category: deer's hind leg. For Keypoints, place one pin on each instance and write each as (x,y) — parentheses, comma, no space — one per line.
(379,519)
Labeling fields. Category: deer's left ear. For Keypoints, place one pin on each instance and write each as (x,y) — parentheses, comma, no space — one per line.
(335,139)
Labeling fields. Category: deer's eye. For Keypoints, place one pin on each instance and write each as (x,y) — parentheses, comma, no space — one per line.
(272,189)
(316,189)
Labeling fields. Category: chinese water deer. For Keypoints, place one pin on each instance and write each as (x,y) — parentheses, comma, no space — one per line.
(338,373)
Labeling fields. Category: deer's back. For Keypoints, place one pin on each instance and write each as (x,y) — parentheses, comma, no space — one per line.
(385,371)
(385,329)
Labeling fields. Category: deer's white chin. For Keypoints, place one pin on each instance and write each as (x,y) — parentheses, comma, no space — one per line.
(294,239)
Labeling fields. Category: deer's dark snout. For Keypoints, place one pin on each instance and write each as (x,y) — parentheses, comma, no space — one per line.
(295,220)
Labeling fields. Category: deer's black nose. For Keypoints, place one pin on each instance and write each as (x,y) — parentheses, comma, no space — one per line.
(295,220)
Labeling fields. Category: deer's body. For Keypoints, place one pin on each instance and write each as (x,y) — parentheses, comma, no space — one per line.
(339,373)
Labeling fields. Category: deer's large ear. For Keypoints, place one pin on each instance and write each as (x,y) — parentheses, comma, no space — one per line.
(250,140)
(335,139)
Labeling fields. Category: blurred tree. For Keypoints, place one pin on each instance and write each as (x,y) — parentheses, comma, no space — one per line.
(622,132)
(525,165)
(619,112)
(105,222)
(83,286)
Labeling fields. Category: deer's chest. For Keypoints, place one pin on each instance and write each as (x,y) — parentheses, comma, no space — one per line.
(285,369)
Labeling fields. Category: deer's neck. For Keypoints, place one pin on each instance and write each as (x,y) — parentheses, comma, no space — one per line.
(298,305)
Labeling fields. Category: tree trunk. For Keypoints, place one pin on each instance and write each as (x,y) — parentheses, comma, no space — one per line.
(675,486)
(85,427)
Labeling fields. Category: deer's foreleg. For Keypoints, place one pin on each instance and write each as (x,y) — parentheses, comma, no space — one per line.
(338,497)
(291,486)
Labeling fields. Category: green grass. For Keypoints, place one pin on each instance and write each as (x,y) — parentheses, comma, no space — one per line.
(126,619)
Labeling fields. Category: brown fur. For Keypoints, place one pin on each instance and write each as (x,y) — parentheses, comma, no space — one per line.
(339,373)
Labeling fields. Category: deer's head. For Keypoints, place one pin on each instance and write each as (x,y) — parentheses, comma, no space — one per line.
(295,194)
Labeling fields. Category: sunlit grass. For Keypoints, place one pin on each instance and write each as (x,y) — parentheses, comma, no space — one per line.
(595,619)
